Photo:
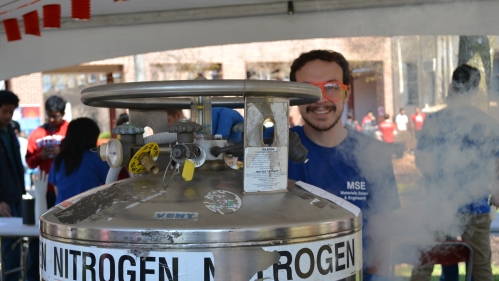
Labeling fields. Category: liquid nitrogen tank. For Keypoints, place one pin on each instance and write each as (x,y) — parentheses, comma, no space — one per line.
(191,212)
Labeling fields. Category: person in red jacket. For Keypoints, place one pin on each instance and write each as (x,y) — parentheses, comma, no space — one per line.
(388,129)
(43,143)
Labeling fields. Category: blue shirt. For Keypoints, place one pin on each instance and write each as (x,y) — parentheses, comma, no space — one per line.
(358,170)
(223,119)
(464,144)
(92,172)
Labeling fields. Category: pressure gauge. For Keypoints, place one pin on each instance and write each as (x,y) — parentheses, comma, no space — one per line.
(114,153)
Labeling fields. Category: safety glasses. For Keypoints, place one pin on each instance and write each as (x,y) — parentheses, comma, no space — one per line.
(332,91)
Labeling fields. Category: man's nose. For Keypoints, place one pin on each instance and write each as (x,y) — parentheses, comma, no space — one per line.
(322,99)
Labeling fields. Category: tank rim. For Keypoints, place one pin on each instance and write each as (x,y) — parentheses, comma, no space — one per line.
(165,246)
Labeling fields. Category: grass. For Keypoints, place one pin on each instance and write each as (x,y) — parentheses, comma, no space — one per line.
(104,135)
(403,272)
(409,194)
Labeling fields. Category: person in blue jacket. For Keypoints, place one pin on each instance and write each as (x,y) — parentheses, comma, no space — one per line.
(344,162)
(77,169)
(458,155)
(222,119)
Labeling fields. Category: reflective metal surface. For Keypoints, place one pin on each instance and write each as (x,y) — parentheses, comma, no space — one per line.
(256,155)
(256,237)
(127,212)
(237,262)
(157,120)
(173,94)
(193,227)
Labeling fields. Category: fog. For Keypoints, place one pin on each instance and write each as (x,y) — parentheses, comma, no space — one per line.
(388,73)
(401,56)
(457,165)
(466,175)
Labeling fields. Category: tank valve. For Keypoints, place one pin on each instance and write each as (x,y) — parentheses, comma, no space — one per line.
(297,152)
(185,153)
(148,163)
(144,159)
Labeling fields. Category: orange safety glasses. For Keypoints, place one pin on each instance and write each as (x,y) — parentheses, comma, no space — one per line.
(332,91)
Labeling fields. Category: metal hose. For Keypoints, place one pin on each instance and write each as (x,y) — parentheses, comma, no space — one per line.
(112,174)
(161,138)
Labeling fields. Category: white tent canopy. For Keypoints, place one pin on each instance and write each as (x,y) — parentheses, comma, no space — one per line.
(140,26)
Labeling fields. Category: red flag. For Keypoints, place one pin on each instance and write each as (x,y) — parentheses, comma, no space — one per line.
(80,9)
(31,23)
(52,16)
(12,29)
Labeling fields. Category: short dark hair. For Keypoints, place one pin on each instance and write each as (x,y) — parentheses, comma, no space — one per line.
(465,78)
(122,119)
(8,97)
(55,104)
(387,116)
(400,110)
(324,55)
(15,125)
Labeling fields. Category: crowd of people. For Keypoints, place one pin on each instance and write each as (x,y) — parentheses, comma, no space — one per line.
(59,149)
(346,153)
(403,131)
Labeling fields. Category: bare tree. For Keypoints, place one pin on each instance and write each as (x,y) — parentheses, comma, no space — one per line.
(476,51)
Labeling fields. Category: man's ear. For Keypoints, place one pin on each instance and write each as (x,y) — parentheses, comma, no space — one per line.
(346,94)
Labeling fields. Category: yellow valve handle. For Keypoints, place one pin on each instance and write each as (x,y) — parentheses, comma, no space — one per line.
(188,171)
(152,149)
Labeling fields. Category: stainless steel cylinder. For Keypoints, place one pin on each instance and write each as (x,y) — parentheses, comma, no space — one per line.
(208,228)
(205,229)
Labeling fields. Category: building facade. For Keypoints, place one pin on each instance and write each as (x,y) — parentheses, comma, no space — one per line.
(388,72)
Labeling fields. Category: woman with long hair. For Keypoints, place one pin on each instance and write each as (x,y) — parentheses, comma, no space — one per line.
(77,169)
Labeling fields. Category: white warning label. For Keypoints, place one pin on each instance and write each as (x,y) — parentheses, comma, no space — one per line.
(64,262)
(266,168)
(330,259)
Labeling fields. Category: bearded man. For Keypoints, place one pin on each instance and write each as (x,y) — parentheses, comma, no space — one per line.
(344,162)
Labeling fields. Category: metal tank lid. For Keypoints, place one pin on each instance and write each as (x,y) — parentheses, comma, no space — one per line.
(212,209)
